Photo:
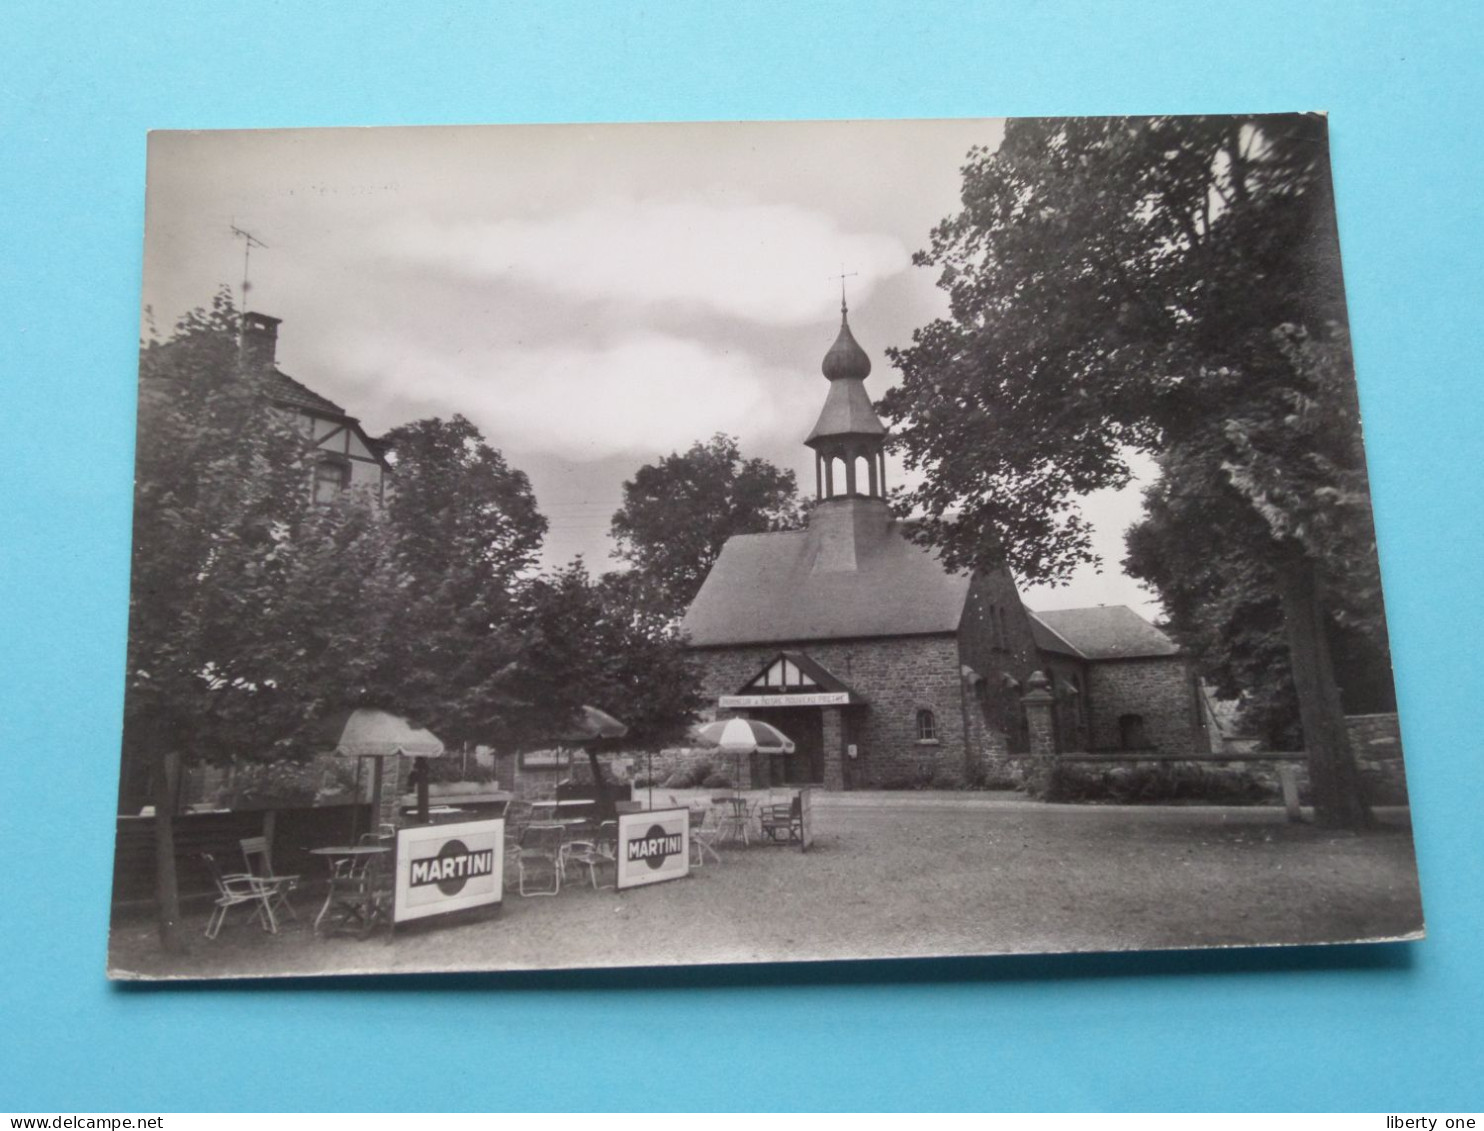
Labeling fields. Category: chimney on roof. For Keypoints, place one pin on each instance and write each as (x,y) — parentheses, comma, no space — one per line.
(259,340)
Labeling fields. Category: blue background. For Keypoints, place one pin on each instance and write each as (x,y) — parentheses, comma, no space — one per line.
(1360,1028)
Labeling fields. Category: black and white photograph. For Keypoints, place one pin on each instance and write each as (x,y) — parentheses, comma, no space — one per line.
(578,546)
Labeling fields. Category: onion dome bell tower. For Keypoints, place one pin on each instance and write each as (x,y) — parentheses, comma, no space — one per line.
(849,439)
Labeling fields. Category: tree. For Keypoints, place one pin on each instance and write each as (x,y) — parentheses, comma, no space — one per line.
(1223,604)
(677,514)
(599,643)
(1166,285)
(250,610)
(465,538)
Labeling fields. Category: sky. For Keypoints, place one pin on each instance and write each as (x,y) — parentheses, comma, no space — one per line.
(591,297)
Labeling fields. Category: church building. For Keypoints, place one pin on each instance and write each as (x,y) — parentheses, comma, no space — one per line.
(888,670)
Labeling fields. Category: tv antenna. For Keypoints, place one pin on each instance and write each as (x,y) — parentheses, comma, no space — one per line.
(249,241)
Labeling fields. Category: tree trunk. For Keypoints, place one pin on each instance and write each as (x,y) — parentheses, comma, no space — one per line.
(607,810)
(167,891)
(1334,777)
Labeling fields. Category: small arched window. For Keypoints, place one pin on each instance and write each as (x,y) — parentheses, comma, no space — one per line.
(927,726)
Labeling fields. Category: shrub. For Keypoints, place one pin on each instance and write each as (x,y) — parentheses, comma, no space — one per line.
(688,777)
(272,785)
(716,781)
(1158,783)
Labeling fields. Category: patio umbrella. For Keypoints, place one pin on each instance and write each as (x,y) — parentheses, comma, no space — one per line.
(591,727)
(370,733)
(743,736)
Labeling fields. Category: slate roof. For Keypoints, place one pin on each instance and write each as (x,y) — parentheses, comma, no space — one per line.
(1107,632)
(853,573)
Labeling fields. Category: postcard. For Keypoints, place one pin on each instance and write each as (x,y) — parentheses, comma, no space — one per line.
(638,545)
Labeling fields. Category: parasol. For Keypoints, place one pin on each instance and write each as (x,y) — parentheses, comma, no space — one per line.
(369,733)
(743,736)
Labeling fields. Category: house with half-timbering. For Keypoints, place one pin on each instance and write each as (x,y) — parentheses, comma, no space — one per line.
(340,455)
(887,669)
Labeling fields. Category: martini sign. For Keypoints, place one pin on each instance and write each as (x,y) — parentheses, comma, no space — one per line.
(443,868)
(653,846)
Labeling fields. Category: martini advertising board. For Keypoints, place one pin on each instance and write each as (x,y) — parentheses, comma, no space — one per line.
(442,868)
(653,846)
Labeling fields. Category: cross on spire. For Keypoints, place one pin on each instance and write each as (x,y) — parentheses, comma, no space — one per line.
(842,276)
(249,241)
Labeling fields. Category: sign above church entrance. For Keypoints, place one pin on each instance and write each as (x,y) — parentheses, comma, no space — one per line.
(797,699)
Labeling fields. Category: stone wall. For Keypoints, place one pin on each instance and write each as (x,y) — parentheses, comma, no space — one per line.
(1158,689)
(899,676)
(1376,742)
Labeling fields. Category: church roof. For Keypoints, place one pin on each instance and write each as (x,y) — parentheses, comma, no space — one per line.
(1107,632)
(847,411)
(852,574)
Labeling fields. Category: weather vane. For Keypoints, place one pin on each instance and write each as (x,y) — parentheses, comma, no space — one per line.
(249,241)
(842,276)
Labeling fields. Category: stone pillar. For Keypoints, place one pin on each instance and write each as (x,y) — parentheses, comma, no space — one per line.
(393,772)
(1040,706)
(834,747)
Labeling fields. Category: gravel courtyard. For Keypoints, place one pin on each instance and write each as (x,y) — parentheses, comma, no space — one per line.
(894,875)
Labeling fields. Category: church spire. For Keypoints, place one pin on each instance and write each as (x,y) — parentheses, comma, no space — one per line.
(848,439)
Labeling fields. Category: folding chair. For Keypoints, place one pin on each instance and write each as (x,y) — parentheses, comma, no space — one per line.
(256,853)
(702,837)
(354,902)
(594,854)
(236,889)
(784,824)
(540,843)
(517,817)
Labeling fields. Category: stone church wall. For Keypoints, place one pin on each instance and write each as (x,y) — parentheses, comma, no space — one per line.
(996,645)
(899,676)
(1158,689)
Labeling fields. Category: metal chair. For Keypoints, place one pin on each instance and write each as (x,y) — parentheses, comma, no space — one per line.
(540,843)
(354,901)
(256,853)
(702,837)
(594,854)
(236,889)
(517,817)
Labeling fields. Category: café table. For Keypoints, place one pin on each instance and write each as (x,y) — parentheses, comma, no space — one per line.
(548,812)
(352,884)
(734,814)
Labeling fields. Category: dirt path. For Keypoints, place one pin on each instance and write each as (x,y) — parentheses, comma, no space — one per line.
(921,876)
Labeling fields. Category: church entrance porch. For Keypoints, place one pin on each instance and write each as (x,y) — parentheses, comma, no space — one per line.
(805,766)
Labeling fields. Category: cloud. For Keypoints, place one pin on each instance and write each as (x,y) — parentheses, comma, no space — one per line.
(642,394)
(764,263)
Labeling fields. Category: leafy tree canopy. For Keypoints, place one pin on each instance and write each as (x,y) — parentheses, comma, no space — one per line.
(677,514)
(1166,285)
(1115,285)
(465,537)
(599,643)
(250,609)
